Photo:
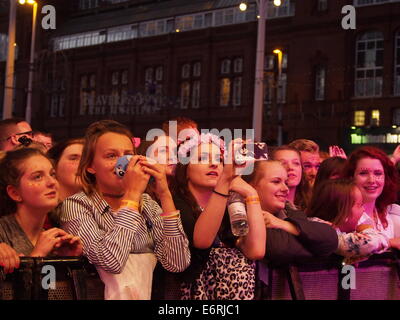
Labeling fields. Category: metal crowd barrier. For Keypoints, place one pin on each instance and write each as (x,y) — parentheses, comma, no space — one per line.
(75,279)
(377,278)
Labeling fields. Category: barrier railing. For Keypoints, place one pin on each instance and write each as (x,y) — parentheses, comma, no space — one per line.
(67,278)
(75,278)
(377,278)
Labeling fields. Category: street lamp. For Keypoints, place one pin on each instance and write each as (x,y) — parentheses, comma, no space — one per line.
(279,86)
(259,72)
(28,111)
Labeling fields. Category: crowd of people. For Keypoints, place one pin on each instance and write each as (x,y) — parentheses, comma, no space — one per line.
(168,219)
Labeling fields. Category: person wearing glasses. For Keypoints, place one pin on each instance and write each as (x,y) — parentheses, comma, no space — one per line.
(13,132)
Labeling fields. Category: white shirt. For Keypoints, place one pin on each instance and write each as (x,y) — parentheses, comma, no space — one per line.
(393,219)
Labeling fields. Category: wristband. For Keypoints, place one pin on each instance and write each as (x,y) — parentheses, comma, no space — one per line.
(130,204)
(166,214)
(252,199)
(221,194)
(252,202)
(174,216)
(170,215)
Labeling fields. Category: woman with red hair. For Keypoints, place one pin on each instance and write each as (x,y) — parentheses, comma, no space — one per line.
(377,178)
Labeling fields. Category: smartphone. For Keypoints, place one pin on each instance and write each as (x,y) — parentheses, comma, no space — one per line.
(253,151)
(122,165)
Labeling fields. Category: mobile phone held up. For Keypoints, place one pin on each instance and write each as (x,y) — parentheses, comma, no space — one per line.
(253,151)
(122,165)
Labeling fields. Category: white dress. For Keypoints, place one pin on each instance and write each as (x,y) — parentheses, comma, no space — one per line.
(393,219)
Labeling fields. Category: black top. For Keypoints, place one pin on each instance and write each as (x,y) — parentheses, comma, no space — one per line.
(199,256)
(315,240)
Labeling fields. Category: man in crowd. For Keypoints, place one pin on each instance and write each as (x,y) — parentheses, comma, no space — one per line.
(13,132)
(310,158)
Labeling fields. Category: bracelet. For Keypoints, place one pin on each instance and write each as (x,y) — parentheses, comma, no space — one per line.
(252,198)
(252,202)
(221,194)
(166,214)
(130,204)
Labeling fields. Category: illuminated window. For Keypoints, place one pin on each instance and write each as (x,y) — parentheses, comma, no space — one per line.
(375,118)
(230,82)
(190,87)
(225,92)
(359,118)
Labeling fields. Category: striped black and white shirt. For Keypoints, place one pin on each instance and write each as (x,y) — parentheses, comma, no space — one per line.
(110,236)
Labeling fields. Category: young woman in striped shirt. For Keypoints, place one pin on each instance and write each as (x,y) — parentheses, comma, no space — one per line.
(124,232)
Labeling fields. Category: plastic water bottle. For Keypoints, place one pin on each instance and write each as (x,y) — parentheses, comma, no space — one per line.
(237,214)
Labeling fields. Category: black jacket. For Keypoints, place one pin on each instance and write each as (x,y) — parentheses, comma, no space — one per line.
(315,240)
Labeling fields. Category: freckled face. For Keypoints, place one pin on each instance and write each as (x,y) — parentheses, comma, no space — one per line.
(38,187)
(369,176)
(109,147)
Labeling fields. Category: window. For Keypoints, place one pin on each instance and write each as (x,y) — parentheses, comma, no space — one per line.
(186,71)
(122,33)
(397,65)
(87,96)
(230,82)
(275,88)
(3,46)
(396,117)
(197,69)
(359,118)
(56,99)
(320,83)
(118,84)
(371,2)
(237,91)
(190,87)
(369,65)
(322,5)
(375,118)
(238,65)
(226,66)
(153,80)
(88,4)
(225,92)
